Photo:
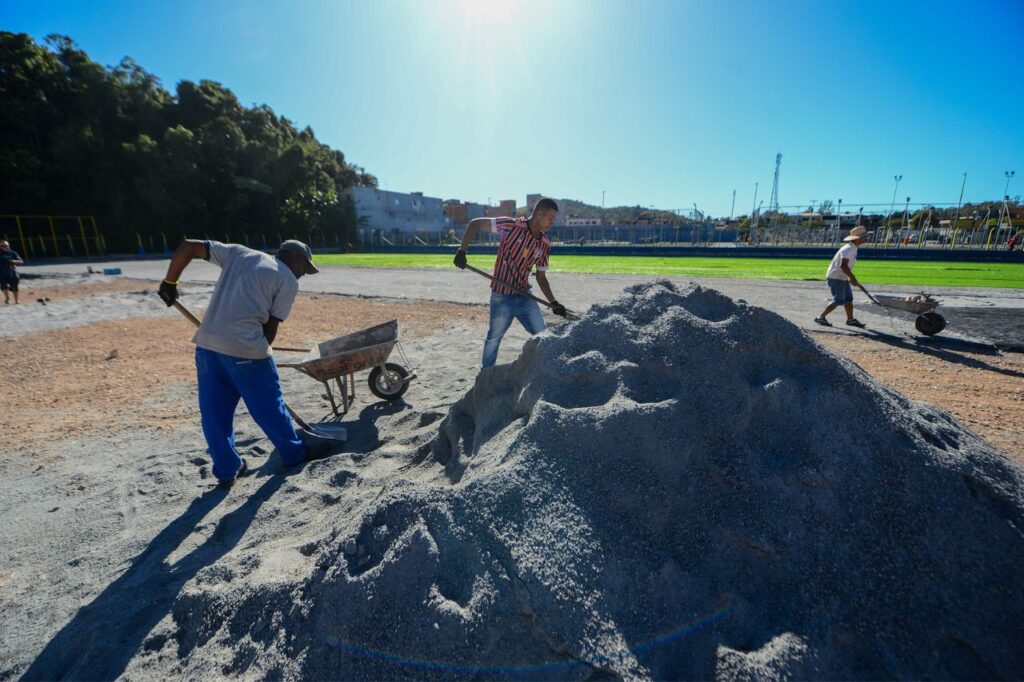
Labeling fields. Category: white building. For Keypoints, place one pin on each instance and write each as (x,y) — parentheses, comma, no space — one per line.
(396,211)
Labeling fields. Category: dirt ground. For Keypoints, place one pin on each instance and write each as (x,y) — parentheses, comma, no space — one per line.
(70,383)
(985,391)
(80,381)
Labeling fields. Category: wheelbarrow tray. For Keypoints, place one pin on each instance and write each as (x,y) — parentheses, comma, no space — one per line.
(897,303)
(350,353)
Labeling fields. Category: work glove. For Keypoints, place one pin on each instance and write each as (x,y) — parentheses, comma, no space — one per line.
(460,259)
(558,309)
(168,292)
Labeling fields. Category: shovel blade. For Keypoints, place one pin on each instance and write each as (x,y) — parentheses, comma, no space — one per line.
(329,431)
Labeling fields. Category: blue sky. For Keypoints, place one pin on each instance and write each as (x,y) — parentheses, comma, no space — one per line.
(656,103)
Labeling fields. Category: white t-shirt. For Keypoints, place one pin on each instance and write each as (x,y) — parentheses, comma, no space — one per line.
(252,288)
(847,251)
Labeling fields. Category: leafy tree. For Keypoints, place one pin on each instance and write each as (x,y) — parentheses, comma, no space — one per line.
(80,138)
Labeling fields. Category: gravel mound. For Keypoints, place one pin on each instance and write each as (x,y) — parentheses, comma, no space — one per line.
(677,486)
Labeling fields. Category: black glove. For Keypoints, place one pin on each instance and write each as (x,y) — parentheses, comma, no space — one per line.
(558,309)
(460,259)
(168,292)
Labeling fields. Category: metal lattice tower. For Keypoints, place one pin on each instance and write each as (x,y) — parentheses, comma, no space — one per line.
(773,202)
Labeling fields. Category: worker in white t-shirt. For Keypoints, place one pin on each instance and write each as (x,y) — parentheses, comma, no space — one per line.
(253,295)
(840,278)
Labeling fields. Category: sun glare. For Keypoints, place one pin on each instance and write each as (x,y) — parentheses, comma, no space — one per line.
(488,14)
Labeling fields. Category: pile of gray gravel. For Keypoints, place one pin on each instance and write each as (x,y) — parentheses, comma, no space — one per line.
(677,486)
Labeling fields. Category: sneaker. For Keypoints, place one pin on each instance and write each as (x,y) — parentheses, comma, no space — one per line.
(854,322)
(227,483)
(822,321)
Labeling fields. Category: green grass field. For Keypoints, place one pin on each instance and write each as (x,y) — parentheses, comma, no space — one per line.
(916,273)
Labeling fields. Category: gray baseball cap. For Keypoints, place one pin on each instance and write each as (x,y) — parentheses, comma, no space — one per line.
(295,246)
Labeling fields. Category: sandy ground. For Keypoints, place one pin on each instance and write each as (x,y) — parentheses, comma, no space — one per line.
(103,456)
(68,393)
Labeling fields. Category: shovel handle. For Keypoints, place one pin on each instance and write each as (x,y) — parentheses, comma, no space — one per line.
(569,315)
(870,297)
(187,313)
(195,320)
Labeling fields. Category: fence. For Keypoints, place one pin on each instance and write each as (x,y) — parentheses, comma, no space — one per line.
(780,231)
(52,236)
(61,236)
(57,236)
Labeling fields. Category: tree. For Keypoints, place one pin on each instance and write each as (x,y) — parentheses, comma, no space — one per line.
(79,138)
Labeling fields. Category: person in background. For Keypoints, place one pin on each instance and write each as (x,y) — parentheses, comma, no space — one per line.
(253,295)
(8,272)
(524,244)
(840,277)
(1011,244)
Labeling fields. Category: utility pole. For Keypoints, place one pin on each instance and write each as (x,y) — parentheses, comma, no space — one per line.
(892,207)
(753,210)
(906,219)
(1005,208)
(839,216)
(732,211)
(602,199)
(773,202)
(956,219)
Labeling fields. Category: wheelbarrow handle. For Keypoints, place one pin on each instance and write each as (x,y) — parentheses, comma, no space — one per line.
(569,315)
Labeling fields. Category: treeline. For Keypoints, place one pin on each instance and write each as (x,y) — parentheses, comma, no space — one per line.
(79,138)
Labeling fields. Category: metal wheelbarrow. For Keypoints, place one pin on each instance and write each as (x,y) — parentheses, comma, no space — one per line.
(340,358)
(928,322)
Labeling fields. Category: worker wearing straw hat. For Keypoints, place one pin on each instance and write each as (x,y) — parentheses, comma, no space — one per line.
(841,279)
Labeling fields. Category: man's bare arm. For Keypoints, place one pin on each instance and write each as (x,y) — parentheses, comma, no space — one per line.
(270,329)
(845,267)
(542,282)
(472,230)
(183,255)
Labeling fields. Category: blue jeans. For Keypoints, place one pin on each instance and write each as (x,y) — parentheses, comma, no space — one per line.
(223,380)
(841,290)
(505,308)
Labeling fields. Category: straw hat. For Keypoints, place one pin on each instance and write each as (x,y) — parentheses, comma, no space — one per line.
(857,233)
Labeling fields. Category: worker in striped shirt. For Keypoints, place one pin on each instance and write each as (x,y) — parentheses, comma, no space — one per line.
(523,245)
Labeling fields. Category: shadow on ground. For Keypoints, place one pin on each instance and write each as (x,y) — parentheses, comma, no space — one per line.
(947,348)
(106,634)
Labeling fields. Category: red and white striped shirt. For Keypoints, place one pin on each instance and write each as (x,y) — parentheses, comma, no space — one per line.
(518,252)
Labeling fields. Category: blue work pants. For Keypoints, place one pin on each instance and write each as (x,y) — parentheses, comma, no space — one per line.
(223,380)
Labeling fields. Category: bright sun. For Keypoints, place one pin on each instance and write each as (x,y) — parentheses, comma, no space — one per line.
(486,14)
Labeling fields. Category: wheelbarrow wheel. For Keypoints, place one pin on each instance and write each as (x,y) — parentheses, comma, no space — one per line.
(390,384)
(930,324)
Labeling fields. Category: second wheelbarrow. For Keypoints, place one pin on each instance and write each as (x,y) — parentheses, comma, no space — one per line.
(928,322)
(340,358)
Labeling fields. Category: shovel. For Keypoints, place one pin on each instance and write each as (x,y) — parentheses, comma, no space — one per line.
(329,431)
(870,297)
(569,315)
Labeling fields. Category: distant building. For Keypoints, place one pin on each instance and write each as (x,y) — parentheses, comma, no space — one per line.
(461,212)
(576,222)
(396,211)
(531,201)
(505,207)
